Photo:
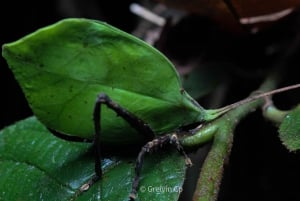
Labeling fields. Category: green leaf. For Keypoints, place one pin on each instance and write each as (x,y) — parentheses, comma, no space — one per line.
(289,130)
(63,67)
(36,165)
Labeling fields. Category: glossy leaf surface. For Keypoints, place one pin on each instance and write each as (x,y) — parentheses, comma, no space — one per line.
(289,130)
(63,67)
(36,165)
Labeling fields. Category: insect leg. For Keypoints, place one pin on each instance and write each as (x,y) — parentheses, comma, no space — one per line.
(136,123)
(132,120)
(149,147)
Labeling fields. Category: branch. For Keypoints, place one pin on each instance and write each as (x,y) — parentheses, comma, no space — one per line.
(222,130)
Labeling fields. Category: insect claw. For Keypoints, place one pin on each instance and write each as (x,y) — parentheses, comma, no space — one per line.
(84,187)
(132,196)
(188,162)
(87,185)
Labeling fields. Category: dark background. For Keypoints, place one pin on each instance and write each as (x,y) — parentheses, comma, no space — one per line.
(260,168)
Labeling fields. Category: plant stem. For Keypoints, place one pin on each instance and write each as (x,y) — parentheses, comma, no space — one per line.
(274,115)
(212,170)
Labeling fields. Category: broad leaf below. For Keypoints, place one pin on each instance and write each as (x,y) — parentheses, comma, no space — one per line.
(36,165)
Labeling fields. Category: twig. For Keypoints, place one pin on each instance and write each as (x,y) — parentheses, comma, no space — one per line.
(212,170)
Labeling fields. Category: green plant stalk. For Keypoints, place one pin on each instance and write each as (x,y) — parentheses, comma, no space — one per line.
(274,114)
(200,135)
(212,170)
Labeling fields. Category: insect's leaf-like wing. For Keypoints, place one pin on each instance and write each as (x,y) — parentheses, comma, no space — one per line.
(63,67)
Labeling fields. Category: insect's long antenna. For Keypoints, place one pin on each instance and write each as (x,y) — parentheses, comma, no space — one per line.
(220,111)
